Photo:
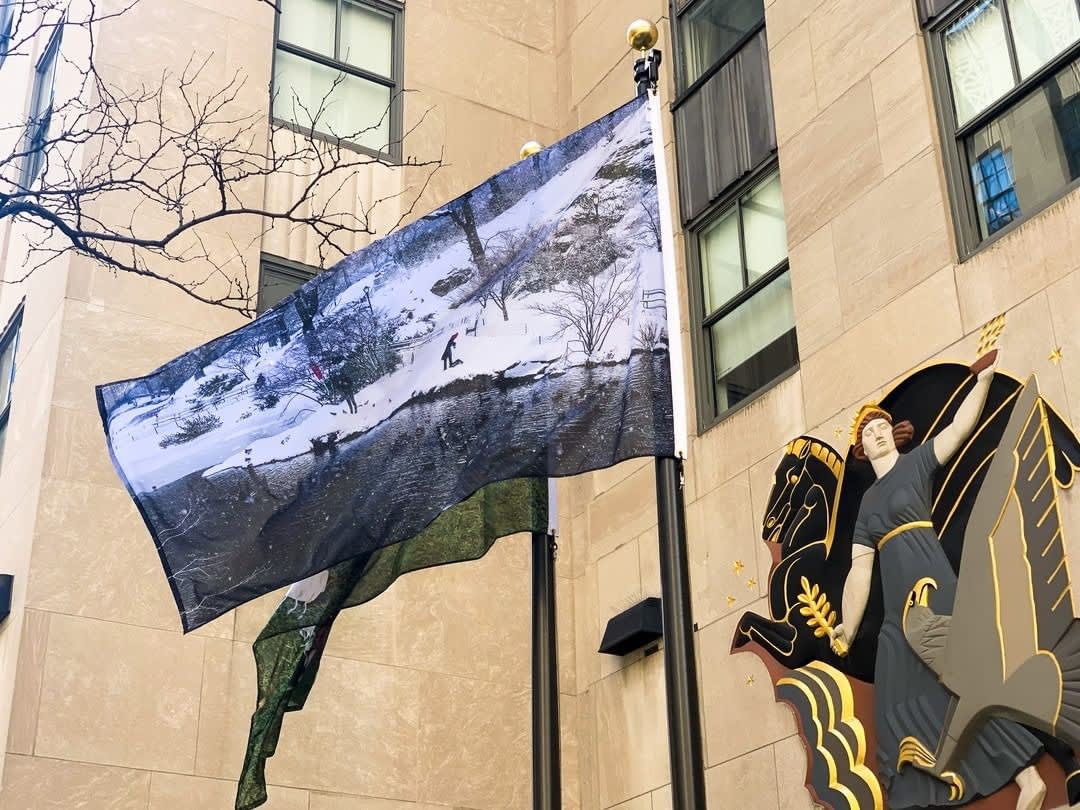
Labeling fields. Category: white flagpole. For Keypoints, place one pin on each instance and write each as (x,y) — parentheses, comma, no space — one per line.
(671,280)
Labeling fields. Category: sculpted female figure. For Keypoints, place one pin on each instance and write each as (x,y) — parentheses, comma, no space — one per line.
(894,521)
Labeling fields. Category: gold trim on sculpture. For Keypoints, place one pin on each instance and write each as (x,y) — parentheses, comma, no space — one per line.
(905,527)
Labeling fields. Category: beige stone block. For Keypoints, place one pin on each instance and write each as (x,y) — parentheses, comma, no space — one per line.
(891,239)
(588,752)
(631,727)
(902,101)
(22,727)
(815,291)
(227,701)
(569,756)
(748,782)
(469,619)
(599,43)
(530,22)
(1063,297)
(649,557)
(736,693)
(330,801)
(899,336)
(100,345)
(791,65)
(850,37)
(543,90)
(790,756)
(643,802)
(661,799)
(722,547)
(618,577)
(784,16)
(474,743)
(749,434)
(76,449)
(1043,250)
(607,477)
(588,630)
(830,163)
(119,695)
(170,791)
(34,783)
(622,512)
(357,734)
(80,526)
(564,620)
(579,547)
(483,81)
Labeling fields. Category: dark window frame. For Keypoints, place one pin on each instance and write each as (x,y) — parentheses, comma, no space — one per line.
(963,204)
(395,81)
(708,416)
(7,25)
(37,125)
(682,93)
(10,335)
(296,271)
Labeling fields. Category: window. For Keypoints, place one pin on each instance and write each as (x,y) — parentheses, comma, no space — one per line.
(747,319)
(1007,76)
(709,31)
(278,278)
(337,69)
(7,24)
(731,204)
(9,344)
(41,109)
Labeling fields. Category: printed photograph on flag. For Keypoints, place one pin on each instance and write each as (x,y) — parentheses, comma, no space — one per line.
(518,331)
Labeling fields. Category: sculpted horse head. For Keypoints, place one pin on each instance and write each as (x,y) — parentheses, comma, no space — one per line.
(798,508)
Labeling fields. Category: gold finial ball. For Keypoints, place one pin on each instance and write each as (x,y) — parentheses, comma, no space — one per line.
(642,35)
(530,149)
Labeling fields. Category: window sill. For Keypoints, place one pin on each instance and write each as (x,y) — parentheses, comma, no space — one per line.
(392,158)
(705,426)
(1017,224)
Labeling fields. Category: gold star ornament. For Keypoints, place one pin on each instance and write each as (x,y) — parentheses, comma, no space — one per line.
(751,583)
(737,567)
(730,600)
(1055,356)
(749,680)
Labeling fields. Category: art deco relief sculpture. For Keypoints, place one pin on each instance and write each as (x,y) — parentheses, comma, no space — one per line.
(922,622)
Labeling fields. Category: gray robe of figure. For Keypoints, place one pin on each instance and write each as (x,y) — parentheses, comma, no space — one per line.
(908,698)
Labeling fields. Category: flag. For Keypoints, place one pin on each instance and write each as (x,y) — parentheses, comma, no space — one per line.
(519,331)
(290,647)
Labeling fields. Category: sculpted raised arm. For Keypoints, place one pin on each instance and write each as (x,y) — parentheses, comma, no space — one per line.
(949,440)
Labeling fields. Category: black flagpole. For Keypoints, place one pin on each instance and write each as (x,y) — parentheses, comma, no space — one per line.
(680,664)
(545,677)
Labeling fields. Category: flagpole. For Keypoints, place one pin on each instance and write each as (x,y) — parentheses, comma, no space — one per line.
(680,665)
(546,769)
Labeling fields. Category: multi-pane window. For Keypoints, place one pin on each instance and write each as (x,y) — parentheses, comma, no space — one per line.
(7,24)
(41,108)
(337,70)
(279,278)
(9,344)
(747,316)
(731,203)
(1009,84)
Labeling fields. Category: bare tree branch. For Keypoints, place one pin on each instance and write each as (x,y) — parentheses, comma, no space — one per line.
(179,155)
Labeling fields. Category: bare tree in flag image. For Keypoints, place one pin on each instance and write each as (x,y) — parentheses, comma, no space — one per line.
(405,408)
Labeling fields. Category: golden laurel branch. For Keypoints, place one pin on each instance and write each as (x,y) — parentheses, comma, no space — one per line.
(815,606)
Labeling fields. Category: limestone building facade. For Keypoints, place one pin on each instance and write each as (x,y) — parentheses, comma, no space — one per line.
(857,194)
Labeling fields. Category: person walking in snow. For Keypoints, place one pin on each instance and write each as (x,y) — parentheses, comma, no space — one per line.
(448,360)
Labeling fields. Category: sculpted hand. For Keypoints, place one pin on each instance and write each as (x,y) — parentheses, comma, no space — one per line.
(839,641)
(986,365)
